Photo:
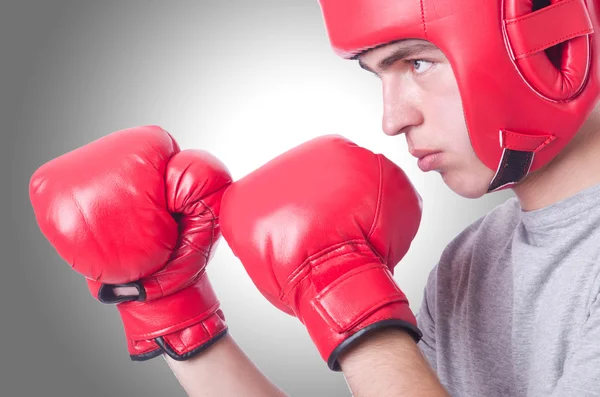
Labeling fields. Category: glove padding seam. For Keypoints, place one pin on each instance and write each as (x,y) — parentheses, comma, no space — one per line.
(379,198)
(208,336)
(304,269)
(160,350)
(193,321)
(168,349)
(212,229)
(366,312)
(194,246)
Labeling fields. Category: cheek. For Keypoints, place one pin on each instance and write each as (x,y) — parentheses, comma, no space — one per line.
(446,117)
(445,108)
(443,105)
(466,175)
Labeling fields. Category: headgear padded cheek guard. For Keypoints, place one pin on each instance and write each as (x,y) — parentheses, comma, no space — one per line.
(521,107)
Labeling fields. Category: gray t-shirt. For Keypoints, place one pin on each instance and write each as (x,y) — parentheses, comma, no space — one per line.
(513,306)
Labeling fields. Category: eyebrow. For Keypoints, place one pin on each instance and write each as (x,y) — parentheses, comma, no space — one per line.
(404,51)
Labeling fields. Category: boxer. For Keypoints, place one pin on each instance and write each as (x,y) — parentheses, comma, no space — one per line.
(491,95)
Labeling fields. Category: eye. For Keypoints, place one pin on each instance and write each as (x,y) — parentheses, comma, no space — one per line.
(420,66)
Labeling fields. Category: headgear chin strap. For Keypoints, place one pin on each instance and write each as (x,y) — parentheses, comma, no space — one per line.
(528,76)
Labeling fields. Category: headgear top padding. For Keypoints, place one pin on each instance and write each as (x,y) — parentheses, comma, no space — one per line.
(521,107)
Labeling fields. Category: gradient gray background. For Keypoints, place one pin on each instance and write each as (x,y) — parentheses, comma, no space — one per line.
(243,79)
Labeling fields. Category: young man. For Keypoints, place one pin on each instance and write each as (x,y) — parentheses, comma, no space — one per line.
(491,96)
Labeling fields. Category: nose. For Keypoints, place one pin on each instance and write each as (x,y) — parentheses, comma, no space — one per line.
(401,110)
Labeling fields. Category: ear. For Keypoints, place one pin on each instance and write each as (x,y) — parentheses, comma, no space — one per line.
(562,28)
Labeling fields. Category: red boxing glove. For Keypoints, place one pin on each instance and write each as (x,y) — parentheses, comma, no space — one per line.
(319,230)
(131,209)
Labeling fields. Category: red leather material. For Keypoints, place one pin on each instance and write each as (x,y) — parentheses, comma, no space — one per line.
(186,319)
(529,95)
(319,230)
(132,208)
(527,33)
(525,143)
(379,290)
(84,205)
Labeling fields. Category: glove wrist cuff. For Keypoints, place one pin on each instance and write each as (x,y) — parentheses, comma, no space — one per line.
(183,321)
(364,299)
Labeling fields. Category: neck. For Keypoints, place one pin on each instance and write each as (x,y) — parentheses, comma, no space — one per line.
(576,168)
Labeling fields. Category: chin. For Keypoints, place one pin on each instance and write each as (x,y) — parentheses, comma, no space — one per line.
(467,185)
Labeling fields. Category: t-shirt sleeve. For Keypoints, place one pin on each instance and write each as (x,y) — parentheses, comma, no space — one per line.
(581,372)
(426,320)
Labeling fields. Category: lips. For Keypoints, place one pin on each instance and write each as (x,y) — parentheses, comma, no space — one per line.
(428,160)
(420,153)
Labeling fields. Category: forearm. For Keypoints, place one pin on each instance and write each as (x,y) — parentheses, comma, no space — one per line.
(389,363)
(222,370)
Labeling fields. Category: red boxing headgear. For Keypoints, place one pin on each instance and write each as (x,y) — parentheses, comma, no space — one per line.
(521,106)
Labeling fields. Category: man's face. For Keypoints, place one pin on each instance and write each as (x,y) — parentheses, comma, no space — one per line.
(422,101)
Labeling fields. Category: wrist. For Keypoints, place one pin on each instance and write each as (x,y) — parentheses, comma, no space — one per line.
(389,361)
(375,346)
(396,316)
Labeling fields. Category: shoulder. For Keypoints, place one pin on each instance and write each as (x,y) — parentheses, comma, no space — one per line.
(480,242)
(488,232)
